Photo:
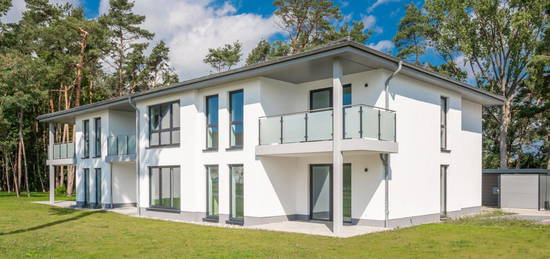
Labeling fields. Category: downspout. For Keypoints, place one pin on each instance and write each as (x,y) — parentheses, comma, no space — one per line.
(138,165)
(386,157)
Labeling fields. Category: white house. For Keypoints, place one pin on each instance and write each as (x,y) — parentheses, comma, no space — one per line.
(262,144)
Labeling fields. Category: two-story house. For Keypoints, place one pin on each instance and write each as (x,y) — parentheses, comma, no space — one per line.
(341,133)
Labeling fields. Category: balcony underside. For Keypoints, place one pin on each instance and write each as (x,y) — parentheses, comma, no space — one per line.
(349,146)
(61,161)
(120,158)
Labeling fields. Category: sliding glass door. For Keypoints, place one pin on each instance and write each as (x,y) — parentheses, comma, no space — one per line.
(237,193)
(86,179)
(347,193)
(212,193)
(97,184)
(321,192)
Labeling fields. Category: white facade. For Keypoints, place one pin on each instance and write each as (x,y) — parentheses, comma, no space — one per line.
(277,186)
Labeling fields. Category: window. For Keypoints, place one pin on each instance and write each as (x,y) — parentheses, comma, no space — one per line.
(97,137)
(236,105)
(86,130)
(164,187)
(236,187)
(86,179)
(212,192)
(443,190)
(346,95)
(212,122)
(164,127)
(322,98)
(98,187)
(444,105)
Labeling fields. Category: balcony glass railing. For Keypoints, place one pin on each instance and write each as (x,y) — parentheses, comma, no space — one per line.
(121,145)
(63,150)
(359,121)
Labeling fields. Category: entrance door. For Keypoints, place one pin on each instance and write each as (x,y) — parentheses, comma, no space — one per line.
(321,192)
(443,191)
(86,178)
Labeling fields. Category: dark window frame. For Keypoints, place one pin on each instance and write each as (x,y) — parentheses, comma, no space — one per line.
(172,208)
(443,123)
(97,137)
(213,125)
(311,92)
(159,131)
(212,217)
(98,186)
(233,220)
(232,122)
(331,174)
(86,137)
(86,177)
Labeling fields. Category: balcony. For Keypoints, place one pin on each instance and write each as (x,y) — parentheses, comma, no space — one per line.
(365,128)
(121,148)
(61,154)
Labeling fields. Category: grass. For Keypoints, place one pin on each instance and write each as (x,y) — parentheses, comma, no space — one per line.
(35,230)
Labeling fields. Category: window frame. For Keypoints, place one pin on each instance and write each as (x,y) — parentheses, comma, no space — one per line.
(213,125)
(212,217)
(98,186)
(170,129)
(443,124)
(311,92)
(86,138)
(172,208)
(232,122)
(233,220)
(97,137)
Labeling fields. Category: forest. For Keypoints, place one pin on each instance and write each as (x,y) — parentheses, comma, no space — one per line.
(55,58)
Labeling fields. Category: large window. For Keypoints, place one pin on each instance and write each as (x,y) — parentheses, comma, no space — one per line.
(236,187)
(212,192)
(97,137)
(236,105)
(98,190)
(86,136)
(444,107)
(164,127)
(322,98)
(164,187)
(212,122)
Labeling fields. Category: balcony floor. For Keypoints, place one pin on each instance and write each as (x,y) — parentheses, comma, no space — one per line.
(349,146)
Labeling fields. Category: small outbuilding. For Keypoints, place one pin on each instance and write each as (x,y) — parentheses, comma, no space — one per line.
(516,188)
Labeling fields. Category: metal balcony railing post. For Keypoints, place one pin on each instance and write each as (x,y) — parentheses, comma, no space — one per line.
(306,122)
(360,121)
(379,127)
(281,129)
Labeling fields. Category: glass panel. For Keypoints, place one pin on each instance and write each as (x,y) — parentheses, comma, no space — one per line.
(131,144)
(212,137)
(547,203)
(347,193)
(165,138)
(176,192)
(370,123)
(165,116)
(154,115)
(237,105)
(70,150)
(155,187)
(212,110)
(443,191)
(321,99)
(319,125)
(155,139)
(97,137)
(98,186)
(320,187)
(122,145)
(112,146)
(236,135)
(175,137)
(166,188)
(63,152)
(56,148)
(387,125)
(175,115)
(86,178)
(213,191)
(237,192)
(294,128)
(270,130)
(352,122)
(346,95)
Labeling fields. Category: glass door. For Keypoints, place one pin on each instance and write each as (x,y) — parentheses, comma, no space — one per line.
(347,193)
(86,178)
(443,191)
(321,192)
(212,210)
(98,187)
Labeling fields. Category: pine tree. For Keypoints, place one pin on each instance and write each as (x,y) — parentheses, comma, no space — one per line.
(259,54)
(410,38)
(223,58)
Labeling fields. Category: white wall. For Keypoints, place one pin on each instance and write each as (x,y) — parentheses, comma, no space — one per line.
(124,183)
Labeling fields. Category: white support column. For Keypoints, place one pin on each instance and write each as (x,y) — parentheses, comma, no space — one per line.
(337,159)
(51,131)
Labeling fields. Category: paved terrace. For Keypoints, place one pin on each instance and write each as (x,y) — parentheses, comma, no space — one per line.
(303,227)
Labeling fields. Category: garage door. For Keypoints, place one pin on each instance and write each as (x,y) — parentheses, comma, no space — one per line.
(519,191)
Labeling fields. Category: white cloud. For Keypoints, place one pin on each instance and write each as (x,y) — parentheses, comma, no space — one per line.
(462,62)
(383,45)
(379,2)
(370,23)
(15,13)
(190,27)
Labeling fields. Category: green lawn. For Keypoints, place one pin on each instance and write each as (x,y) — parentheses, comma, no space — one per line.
(34,230)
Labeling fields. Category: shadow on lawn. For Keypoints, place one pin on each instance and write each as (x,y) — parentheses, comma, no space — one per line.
(60,211)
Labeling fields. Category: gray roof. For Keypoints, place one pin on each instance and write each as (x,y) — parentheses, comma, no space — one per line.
(517,171)
(252,70)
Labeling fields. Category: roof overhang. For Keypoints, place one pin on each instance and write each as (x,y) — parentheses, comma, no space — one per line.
(310,65)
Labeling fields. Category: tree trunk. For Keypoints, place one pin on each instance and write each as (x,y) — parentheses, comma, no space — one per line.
(7,171)
(17,171)
(503,139)
(70,179)
(23,154)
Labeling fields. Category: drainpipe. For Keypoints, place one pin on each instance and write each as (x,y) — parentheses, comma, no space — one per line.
(386,157)
(137,154)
